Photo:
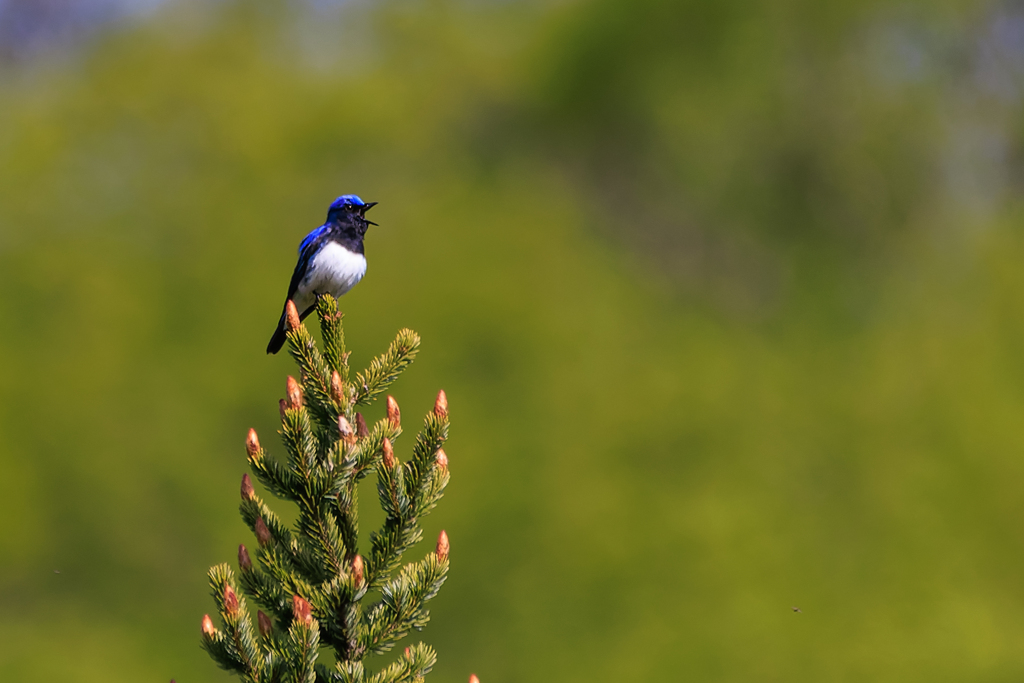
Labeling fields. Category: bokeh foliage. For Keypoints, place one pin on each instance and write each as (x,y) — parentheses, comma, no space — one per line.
(726,297)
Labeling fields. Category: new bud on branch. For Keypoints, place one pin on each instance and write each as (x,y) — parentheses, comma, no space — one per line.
(348,435)
(294,393)
(336,389)
(441,459)
(389,454)
(361,429)
(291,316)
(248,492)
(302,610)
(244,563)
(473,678)
(252,444)
(262,532)
(230,600)
(208,629)
(394,414)
(442,546)
(266,628)
(441,404)
(357,570)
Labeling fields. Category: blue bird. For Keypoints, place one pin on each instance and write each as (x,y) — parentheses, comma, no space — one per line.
(331,260)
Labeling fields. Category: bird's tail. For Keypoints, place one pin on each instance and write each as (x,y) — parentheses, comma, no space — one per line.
(277,341)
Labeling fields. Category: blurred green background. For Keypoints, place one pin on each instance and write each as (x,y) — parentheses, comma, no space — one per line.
(727,297)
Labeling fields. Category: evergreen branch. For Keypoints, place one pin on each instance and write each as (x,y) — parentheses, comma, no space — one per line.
(416,661)
(364,458)
(370,450)
(428,442)
(333,334)
(216,645)
(322,531)
(279,480)
(324,400)
(316,376)
(255,510)
(342,613)
(352,617)
(429,491)
(304,643)
(238,639)
(297,576)
(318,559)
(265,591)
(322,482)
(350,672)
(345,514)
(279,570)
(274,537)
(384,369)
(401,607)
(297,434)
(325,675)
(391,487)
(387,547)
(406,495)
(342,462)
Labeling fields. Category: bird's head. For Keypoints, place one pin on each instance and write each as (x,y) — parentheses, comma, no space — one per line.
(349,209)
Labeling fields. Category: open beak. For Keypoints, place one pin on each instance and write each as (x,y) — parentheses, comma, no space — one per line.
(366,207)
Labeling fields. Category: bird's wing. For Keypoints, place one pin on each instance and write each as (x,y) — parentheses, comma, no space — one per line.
(310,245)
(312,237)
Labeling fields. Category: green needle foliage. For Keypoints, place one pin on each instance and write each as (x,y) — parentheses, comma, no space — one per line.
(310,581)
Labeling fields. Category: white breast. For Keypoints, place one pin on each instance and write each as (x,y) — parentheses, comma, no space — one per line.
(334,270)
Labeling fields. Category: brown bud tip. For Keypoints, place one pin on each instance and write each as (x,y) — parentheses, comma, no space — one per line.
(441,404)
(361,429)
(336,389)
(208,629)
(473,678)
(248,492)
(389,454)
(291,316)
(252,444)
(394,414)
(294,393)
(348,435)
(407,653)
(302,610)
(230,600)
(243,559)
(357,570)
(441,459)
(344,426)
(262,532)
(264,623)
(282,406)
(442,546)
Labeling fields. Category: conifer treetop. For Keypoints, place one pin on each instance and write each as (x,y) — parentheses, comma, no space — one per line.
(315,586)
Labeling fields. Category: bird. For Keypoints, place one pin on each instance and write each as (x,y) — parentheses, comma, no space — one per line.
(331,261)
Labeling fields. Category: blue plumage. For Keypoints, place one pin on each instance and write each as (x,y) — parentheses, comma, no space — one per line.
(311,237)
(331,260)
